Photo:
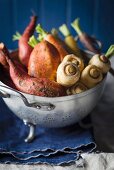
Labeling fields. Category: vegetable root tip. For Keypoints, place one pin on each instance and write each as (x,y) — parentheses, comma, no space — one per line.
(1,45)
(33,12)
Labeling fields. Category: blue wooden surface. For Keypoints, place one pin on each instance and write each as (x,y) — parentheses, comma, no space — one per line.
(97,17)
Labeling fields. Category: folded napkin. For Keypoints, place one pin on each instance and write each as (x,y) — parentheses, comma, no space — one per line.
(53,146)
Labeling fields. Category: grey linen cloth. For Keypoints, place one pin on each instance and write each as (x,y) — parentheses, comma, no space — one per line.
(102,161)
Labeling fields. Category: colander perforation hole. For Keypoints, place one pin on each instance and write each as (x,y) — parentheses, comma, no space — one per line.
(66,117)
(50,119)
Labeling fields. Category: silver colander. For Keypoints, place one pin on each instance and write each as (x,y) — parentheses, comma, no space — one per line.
(50,112)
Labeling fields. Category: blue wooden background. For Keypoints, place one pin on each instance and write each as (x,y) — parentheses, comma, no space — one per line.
(97,17)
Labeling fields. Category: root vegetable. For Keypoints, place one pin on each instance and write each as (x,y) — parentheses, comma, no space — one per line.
(88,41)
(54,32)
(74,59)
(67,74)
(62,42)
(30,85)
(91,76)
(70,41)
(24,48)
(53,40)
(102,61)
(5,78)
(44,61)
(15,55)
(76,88)
(3,60)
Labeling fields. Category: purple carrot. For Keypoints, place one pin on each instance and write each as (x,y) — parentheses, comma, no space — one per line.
(88,41)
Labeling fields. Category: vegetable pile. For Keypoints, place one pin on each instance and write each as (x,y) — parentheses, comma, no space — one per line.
(49,66)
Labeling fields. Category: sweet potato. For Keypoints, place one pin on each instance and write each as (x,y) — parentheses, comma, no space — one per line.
(13,56)
(4,66)
(44,61)
(30,85)
(24,48)
(3,60)
(5,77)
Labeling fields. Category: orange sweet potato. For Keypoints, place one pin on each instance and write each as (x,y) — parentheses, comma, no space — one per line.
(44,61)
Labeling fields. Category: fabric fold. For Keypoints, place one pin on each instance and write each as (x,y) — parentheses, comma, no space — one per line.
(51,145)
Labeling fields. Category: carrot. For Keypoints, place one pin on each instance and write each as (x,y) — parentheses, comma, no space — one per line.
(33,41)
(24,48)
(51,39)
(70,41)
(88,41)
(54,32)
(44,61)
(30,85)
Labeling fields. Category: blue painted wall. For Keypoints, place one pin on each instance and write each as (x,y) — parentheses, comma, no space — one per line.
(97,17)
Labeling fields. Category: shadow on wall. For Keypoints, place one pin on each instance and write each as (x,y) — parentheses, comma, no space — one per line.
(95,17)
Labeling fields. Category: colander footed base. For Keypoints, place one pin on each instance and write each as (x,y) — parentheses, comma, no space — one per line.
(31,134)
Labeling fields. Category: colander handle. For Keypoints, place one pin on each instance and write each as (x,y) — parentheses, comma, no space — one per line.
(7,92)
